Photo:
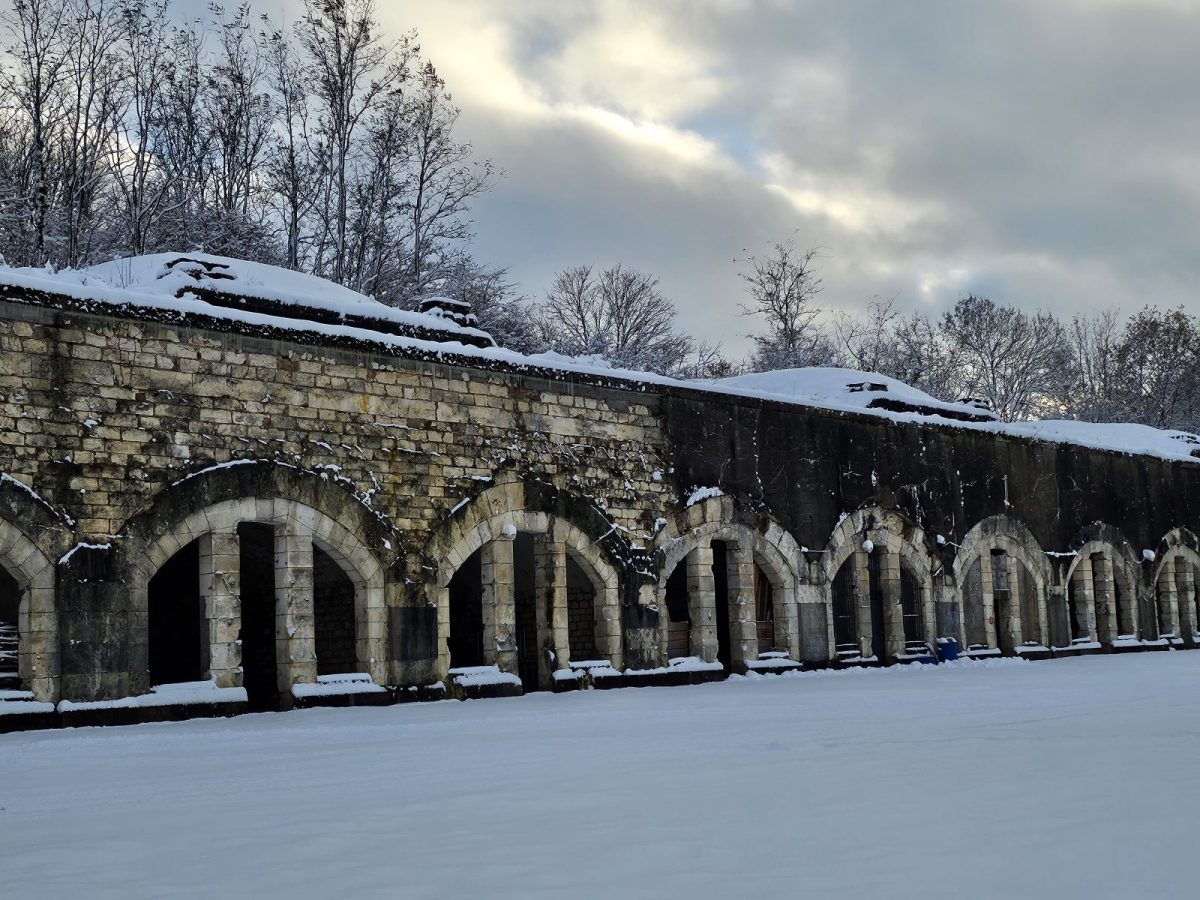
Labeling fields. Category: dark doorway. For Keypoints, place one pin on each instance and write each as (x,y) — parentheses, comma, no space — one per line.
(764,610)
(910,608)
(581,613)
(1075,614)
(10,634)
(465,641)
(1002,578)
(333,616)
(878,626)
(679,618)
(720,551)
(1124,602)
(260,676)
(1031,620)
(178,648)
(528,646)
(845,611)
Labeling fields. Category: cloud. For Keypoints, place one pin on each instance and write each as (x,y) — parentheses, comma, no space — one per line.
(1044,154)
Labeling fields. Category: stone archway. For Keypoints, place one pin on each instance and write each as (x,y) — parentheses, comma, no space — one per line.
(1002,576)
(1103,592)
(1176,581)
(717,555)
(524,592)
(890,585)
(294,532)
(32,574)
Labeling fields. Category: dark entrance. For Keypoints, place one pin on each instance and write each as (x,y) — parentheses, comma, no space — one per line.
(528,645)
(465,641)
(177,636)
(333,616)
(910,607)
(845,618)
(1002,601)
(764,610)
(878,625)
(581,613)
(679,619)
(720,551)
(260,677)
(10,635)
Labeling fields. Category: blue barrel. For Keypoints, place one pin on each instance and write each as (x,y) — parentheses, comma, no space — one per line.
(947,649)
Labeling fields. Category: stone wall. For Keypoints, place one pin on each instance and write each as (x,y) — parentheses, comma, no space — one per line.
(127,437)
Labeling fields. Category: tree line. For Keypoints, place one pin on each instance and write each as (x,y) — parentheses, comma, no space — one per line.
(328,147)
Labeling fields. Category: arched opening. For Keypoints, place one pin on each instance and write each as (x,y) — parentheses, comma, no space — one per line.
(581,613)
(333,616)
(1077,619)
(910,610)
(256,553)
(465,641)
(178,634)
(10,633)
(679,616)
(764,611)
(845,615)
(1012,591)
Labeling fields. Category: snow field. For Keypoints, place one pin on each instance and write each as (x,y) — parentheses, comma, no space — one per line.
(1069,778)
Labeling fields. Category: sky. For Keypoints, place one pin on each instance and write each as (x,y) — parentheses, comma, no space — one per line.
(1044,154)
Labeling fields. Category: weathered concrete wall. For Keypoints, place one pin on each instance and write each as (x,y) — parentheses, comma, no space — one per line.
(137,436)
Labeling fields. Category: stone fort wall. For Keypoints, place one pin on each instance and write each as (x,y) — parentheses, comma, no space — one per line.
(127,438)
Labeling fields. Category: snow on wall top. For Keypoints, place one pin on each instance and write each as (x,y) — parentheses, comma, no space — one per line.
(237,281)
(862,390)
(148,283)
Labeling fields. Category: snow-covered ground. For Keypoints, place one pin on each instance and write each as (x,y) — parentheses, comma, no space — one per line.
(1070,778)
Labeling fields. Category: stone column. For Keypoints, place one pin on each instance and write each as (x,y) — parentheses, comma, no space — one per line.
(861,581)
(1103,590)
(295,639)
(1167,600)
(893,612)
(1020,631)
(702,603)
(1185,592)
(550,597)
(221,595)
(499,605)
(1085,607)
(743,616)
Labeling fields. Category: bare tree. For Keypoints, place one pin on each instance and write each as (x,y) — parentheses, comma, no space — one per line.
(1095,339)
(1018,361)
(38,29)
(1158,361)
(783,287)
(619,313)
(869,343)
(353,70)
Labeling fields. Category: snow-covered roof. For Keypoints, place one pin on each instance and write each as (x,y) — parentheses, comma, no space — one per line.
(239,283)
(151,283)
(821,385)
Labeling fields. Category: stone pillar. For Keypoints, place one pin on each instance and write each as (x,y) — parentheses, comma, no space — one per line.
(1185,593)
(1085,606)
(893,612)
(1167,600)
(221,594)
(1104,592)
(499,605)
(550,597)
(295,639)
(1019,630)
(702,603)
(861,580)
(743,617)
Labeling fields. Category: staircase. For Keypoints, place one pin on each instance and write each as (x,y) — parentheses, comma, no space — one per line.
(9,637)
